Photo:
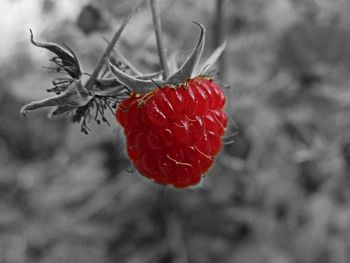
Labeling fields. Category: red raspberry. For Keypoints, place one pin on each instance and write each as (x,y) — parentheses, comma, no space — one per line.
(172,133)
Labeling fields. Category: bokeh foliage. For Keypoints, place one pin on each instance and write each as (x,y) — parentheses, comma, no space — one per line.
(278,193)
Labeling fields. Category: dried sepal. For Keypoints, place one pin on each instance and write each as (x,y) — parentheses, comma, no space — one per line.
(95,109)
(207,67)
(91,100)
(61,112)
(64,60)
(104,83)
(187,68)
(131,82)
(127,63)
(73,96)
(173,63)
(153,75)
(72,99)
(60,85)
(113,91)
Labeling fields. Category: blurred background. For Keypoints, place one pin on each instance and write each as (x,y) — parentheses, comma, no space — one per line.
(279,193)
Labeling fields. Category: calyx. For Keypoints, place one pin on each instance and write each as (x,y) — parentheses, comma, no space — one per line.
(186,71)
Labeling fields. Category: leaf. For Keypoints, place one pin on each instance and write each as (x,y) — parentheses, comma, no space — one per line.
(187,68)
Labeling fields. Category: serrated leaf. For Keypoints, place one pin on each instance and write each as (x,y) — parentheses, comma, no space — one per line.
(189,65)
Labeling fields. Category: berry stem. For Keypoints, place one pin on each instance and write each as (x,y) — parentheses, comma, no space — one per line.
(158,31)
(111,45)
(218,28)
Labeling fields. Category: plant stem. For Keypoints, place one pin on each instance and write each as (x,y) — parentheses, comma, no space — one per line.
(218,28)
(158,31)
(111,45)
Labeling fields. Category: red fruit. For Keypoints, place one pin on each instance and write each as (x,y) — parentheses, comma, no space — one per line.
(173,134)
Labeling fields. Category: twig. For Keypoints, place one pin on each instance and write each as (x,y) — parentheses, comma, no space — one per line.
(158,31)
(111,45)
(218,27)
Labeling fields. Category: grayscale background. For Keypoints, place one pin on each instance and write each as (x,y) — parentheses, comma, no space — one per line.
(279,193)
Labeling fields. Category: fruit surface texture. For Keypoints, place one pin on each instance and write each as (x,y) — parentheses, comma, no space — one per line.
(173,133)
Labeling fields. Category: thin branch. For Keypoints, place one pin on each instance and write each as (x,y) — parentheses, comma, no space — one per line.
(218,28)
(111,45)
(218,23)
(158,31)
